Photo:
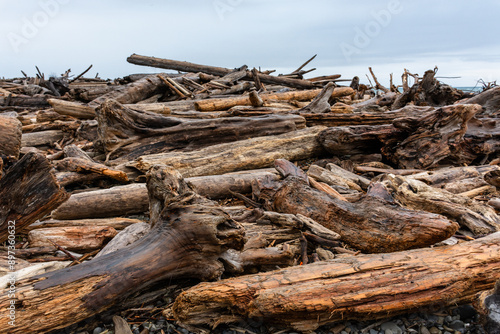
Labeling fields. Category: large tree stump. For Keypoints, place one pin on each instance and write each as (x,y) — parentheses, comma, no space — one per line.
(189,234)
(359,287)
(28,191)
(373,224)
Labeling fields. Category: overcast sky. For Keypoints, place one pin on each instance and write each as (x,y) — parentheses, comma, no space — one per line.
(460,37)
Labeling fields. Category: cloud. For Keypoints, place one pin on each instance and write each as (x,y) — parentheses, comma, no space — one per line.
(275,34)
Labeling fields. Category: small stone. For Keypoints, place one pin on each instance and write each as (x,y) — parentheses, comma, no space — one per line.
(185,331)
(392,327)
(434,330)
(373,331)
(424,330)
(98,330)
(457,325)
(440,320)
(448,319)
(344,332)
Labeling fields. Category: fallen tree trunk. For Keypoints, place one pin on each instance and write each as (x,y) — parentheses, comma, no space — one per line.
(133,198)
(373,224)
(127,134)
(10,138)
(245,154)
(489,100)
(301,95)
(358,287)
(185,241)
(28,191)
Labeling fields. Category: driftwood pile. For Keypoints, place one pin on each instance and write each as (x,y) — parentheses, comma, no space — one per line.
(297,201)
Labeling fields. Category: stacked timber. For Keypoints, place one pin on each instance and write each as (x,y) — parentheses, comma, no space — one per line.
(245,195)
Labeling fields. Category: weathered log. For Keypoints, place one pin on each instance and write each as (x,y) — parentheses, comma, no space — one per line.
(116,223)
(362,118)
(132,198)
(133,92)
(245,154)
(359,287)
(41,138)
(220,71)
(84,111)
(186,241)
(127,134)
(28,191)
(373,224)
(432,140)
(489,100)
(10,138)
(488,303)
(73,238)
(301,95)
(475,216)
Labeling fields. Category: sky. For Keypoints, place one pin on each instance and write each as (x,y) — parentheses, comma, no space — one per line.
(459,37)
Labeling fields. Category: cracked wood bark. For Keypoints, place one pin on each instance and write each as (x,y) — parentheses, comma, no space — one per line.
(359,287)
(28,191)
(373,224)
(127,134)
(301,95)
(10,138)
(320,103)
(432,140)
(132,198)
(242,155)
(478,218)
(186,241)
(185,66)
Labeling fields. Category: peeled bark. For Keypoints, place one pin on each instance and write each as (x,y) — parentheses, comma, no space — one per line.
(186,241)
(359,287)
(28,191)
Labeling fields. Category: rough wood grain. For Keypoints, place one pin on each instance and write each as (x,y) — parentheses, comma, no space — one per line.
(244,154)
(358,287)
(28,191)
